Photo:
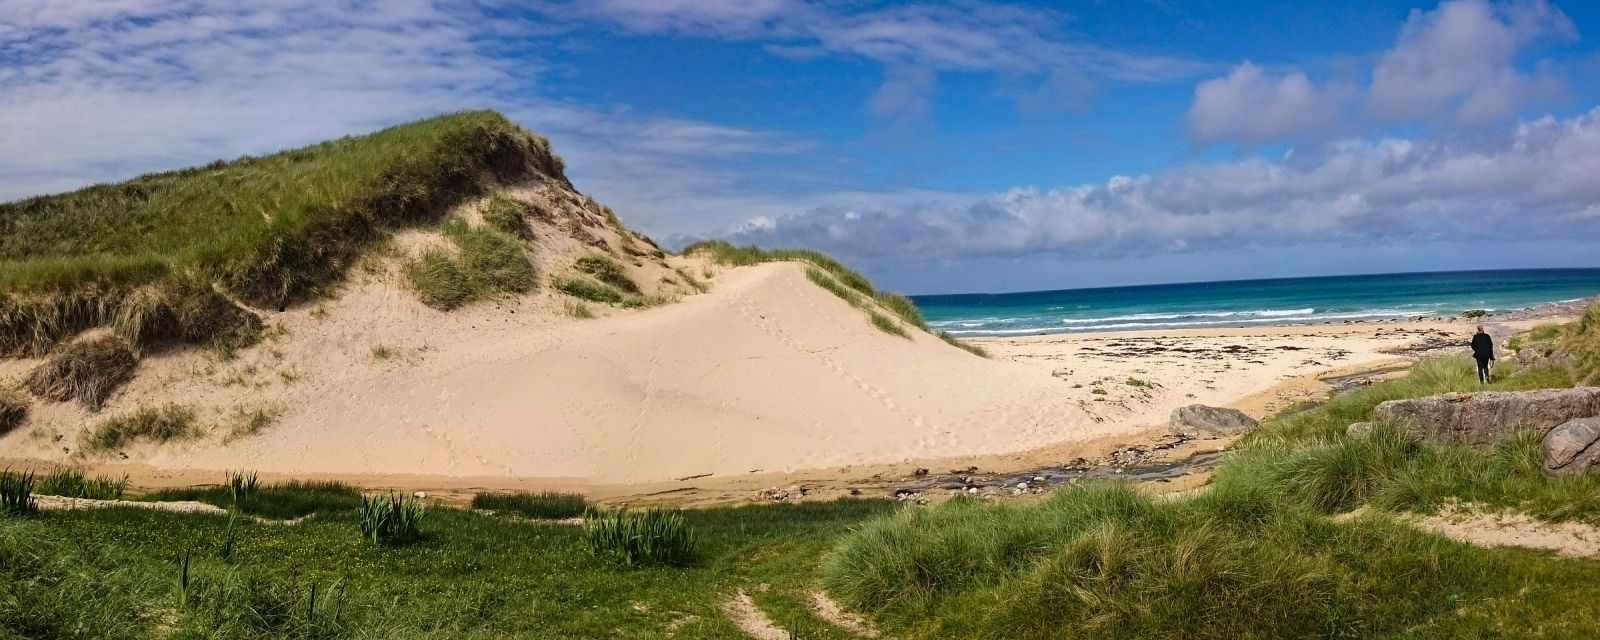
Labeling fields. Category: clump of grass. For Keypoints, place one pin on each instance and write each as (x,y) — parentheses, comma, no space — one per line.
(542,505)
(902,307)
(1139,383)
(87,371)
(829,284)
(242,486)
(437,278)
(640,538)
(963,345)
(73,483)
(886,325)
(508,215)
(282,500)
(1581,343)
(13,410)
(577,310)
(608,271)
(153,424)
(586,289)
(16,493)
(383,352)
(250,422)
(489,263)
(391,521)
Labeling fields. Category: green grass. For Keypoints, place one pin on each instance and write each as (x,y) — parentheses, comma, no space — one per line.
(13,410)
(284,500)
(653,537)
(488,263)
(88,371)
(1103,561)
(963,345)
(508,215)
(73,483)
(149,424)
(115,574)
(270,231)
(1581,343)
(607,271)
(542,505)
(16,493)
(586,289)
(886,324)
(391,521)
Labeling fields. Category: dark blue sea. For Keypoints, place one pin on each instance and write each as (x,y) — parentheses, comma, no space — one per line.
(1255,302)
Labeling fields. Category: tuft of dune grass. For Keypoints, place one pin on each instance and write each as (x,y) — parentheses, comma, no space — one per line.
(269,231)
(13,410)
(886,324)
(963,345)
(508,215)
(150,424)
(489,263)
(88,371)
(608,271)
(586,289)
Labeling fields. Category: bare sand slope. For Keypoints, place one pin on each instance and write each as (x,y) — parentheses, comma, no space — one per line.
(767,372)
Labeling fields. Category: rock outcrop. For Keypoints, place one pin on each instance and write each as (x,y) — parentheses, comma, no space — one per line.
(1486,417)
(1198,419)
(1573,447)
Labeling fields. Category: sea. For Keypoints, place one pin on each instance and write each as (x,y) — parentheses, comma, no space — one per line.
(1282,301)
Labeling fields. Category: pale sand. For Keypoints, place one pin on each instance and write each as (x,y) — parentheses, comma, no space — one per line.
(767,379)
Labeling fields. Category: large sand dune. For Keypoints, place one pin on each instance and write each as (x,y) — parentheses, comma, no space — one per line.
(766,372)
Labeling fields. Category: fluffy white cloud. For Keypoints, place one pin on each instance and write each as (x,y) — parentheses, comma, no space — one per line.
(1536,181)
(1253,105)
(98,91)
(1460,59)
(1457,63)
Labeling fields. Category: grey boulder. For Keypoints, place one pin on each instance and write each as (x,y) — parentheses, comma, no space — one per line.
(1197,419)
(1571,447)
(1485,417)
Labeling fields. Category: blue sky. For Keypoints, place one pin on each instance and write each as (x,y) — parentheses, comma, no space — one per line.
(963,146)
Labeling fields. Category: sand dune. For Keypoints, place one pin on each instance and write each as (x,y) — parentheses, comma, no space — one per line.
(767,372)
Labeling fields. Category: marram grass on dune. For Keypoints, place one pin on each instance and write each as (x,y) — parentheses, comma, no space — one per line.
(269,231)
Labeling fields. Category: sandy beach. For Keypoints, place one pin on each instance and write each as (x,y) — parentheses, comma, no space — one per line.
(765,381)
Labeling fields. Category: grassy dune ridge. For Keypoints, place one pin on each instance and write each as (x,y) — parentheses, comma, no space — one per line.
(838,279)
(267,231)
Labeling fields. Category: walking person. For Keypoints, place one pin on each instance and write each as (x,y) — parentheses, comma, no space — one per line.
(1483,352)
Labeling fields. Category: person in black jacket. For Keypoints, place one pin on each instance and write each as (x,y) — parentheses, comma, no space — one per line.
(1483,352)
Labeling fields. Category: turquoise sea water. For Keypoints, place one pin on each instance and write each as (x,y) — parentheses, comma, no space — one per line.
(1255,302)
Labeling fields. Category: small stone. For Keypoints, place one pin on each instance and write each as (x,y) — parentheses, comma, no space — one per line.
(420,495)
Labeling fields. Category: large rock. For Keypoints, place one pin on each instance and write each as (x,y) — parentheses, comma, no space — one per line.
(1485,417)
(1571,447)
(1197,419)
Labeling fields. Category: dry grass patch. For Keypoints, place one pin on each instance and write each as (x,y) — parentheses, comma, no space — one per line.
(88,371)
(152,424)
(13,410)
(586,289)
(244,423)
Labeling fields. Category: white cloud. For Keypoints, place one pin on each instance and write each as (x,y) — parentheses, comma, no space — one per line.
(105,90)
(969,35)
(1457,64)
(1460,59)
(1253,105)
(1536,182)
